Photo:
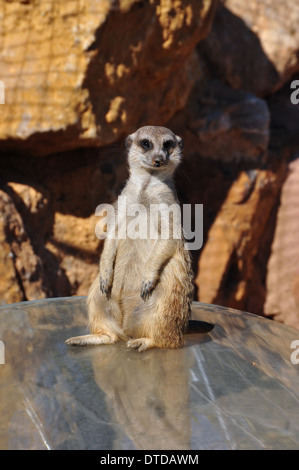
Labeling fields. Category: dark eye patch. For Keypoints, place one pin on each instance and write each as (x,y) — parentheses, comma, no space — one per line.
(168,144)
(145,144)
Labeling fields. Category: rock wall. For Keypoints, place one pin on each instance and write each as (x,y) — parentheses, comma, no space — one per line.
(79,76)
(85,73)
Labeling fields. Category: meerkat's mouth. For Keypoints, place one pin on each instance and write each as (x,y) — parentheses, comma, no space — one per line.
(153,164)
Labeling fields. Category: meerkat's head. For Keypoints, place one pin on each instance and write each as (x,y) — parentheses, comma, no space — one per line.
(153,149)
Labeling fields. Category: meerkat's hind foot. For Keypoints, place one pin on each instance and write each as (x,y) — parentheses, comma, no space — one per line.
(93,339)
(141,344)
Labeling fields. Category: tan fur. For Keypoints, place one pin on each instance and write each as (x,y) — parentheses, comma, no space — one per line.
(144,289)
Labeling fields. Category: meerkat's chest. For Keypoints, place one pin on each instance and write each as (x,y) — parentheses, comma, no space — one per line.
(144,209)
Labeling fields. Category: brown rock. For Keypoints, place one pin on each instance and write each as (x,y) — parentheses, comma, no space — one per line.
(79,270)
(34,199)
(228,272)
(253,45)
(282,300)
(82,74)
(58,215)
(32,203)
(10,291)
(21,268)
(224,124)
(275,24)
(74,244)
(284,120)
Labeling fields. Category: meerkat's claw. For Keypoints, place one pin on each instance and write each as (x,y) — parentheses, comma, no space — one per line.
(140,344)
(92,339)
(146,289)
(76,341)
(104,287)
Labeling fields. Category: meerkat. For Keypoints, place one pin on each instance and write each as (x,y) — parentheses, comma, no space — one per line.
(144,289)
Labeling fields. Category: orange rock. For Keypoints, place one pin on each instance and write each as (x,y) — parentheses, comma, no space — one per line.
(271,20)
(82,74)
(227,266)
(74,244)
(253,45)
(282,300)
(226,124)
(21,268)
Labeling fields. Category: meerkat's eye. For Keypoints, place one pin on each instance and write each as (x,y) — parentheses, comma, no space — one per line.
(145,144)
(168,144)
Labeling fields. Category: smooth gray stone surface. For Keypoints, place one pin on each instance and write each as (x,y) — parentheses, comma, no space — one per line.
(233,385)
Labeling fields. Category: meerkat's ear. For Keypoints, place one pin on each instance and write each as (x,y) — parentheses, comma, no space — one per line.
(128,141)
(180,142)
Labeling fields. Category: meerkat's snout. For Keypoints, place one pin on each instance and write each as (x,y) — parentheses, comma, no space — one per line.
(158,161)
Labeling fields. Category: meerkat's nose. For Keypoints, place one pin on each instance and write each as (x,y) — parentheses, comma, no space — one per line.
(158,160)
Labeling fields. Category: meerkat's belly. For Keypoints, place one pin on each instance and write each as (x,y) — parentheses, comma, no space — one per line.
(131,258)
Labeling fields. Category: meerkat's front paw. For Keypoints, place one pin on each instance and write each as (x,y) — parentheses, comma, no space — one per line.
(147,288)
(141,344)
(105,287)
(92,339)
(77,341)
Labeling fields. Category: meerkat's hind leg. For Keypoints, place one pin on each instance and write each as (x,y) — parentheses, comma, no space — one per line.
(141,344)
(92,339)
